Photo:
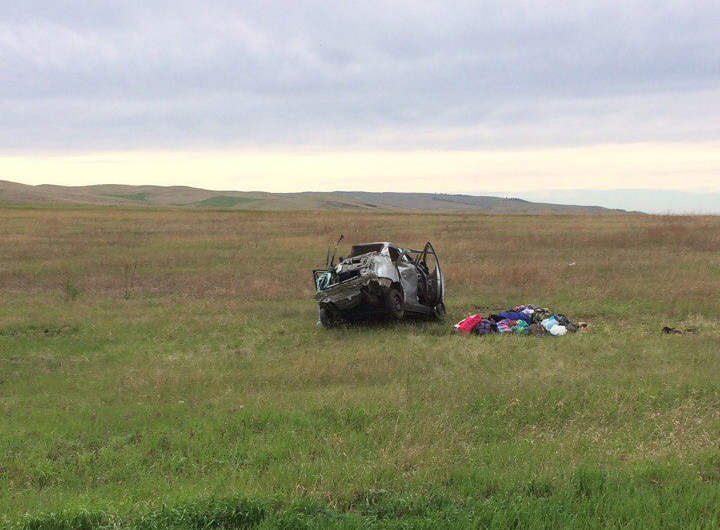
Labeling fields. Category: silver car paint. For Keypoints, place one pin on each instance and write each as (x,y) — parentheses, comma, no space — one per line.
(373,268)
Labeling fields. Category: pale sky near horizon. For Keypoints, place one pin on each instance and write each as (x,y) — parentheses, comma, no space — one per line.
(519,98)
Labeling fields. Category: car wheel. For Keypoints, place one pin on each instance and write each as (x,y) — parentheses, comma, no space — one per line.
(440,312)
(394,304)
(327,318)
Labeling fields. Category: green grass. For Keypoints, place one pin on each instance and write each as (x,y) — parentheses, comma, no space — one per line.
(621,502)
(142,196)
(210,399)
(223,201)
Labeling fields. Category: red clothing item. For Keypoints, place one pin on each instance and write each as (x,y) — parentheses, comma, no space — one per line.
(467,325)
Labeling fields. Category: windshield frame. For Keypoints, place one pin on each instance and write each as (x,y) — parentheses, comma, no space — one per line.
(367,248)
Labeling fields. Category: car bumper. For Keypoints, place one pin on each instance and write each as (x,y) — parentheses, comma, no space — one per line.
(351,293)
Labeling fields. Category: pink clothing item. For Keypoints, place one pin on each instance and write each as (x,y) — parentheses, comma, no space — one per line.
(506,326)
(468,324)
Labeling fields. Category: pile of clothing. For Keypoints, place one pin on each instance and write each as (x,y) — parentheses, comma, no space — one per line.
(524,320)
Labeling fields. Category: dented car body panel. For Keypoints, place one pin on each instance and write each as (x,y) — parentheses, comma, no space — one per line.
(362,282)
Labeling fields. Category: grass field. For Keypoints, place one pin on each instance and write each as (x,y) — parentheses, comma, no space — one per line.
(193,390)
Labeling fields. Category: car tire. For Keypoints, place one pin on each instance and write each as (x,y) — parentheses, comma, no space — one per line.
(394,304)
(327,318)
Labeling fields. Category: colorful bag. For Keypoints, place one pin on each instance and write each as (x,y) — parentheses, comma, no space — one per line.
(484,327)
(506,326)
(521,327)
(535,312)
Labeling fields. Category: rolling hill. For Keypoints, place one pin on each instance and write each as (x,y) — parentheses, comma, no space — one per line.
(188,197)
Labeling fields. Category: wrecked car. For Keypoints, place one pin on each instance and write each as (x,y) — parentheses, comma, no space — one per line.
(380,279)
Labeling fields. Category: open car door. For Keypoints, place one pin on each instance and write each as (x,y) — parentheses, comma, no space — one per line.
(428,260)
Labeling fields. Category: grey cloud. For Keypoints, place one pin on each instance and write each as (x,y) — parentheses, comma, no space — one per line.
(161,74)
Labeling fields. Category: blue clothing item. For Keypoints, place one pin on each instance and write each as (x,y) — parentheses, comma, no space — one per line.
(521,327)
(548,323)
(515,315)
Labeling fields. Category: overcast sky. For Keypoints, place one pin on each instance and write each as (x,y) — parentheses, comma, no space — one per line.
(149,80)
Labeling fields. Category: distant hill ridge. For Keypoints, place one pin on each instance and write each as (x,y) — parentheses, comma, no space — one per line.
(188,197)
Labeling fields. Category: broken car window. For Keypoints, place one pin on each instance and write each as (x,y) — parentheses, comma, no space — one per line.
(359,250)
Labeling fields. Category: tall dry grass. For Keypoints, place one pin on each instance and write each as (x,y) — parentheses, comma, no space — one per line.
(264,256)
